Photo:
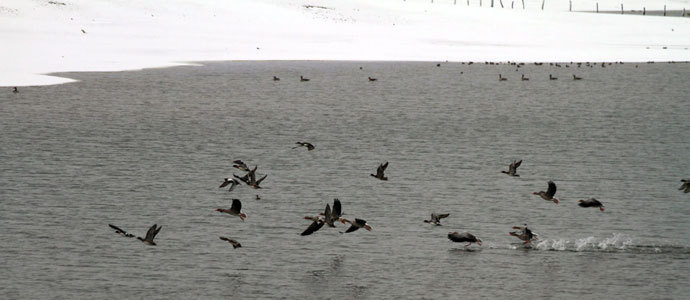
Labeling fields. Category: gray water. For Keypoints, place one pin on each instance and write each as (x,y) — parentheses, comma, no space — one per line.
(152,146)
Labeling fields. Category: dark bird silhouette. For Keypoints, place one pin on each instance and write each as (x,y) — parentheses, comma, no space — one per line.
(314,227)
(252,179)
(232,181)
(330,216)
(150,235)
(501,78)
(301,78)
(552,78)
(685,187)
(550,192)
(235,244)
(305,144)
(380,170)
(464,237)
(244,178)
(576,78)
(436,219)
(276,78)
(523,78)
(591,202)
(120,231)
(234,210)
(524,234)
(372,79)
(357,224)
(240,165)
(15,90)
(512,169)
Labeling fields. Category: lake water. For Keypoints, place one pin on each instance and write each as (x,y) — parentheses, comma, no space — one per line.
(152,146)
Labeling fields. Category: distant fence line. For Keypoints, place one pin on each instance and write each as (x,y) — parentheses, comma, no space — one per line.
(570,6)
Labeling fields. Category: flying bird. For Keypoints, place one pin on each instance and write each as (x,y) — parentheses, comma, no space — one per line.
(524,234)
(380,170)
(252,179)
(436,219)
(232,181)
(357,224)
(150,235)
(464,237)
(591,202)
(372,79)
(304,144)
(550,192)
(235,244)
(685,187)
(333,215)
(234,210)
(512,169)
(120,231)
(240,165)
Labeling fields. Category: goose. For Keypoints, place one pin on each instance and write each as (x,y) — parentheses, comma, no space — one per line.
(330,216)
(301,78)
(576,78)
(240,165)
(552,78)
(523,78)
(244,178)
(591,202)
(305,144)
(501,78)
(252,179)
(685,187)
(276,78)
(436,219)
(524,234)
(150,235)
(120,231)
(234,210)
(372,79)
(235,244)
(464,237)
(232,181)
(512,169)
(550,192)
(357,224)
(314,227)
(380,170)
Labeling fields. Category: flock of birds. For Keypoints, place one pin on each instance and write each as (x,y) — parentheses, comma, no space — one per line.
(331,215)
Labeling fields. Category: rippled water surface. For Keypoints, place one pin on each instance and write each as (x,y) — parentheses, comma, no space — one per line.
(152,146)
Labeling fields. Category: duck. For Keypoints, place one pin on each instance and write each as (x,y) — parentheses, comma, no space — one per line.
(150,235)
(552,78)
(464,237)
(501,78)
(524,234)
(301,78)
(512,169)
(235,209)
(576,78)
(685,187)
(276,78)
(357,224)
(372,79)
(305,144)
(240,165)
(380,170)
(591,202)
(523,78)
(550,192)
(436,219)
(235,244)
(232,181)
(120,231)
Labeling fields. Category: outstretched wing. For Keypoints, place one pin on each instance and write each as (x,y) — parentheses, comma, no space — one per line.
(261,179)
(117,229)
(351,229)
(226,181)
(236,206)
(337,209)
(151,233)
(315,226)
(552,189)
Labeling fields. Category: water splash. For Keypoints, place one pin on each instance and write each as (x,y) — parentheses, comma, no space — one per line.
(617,241)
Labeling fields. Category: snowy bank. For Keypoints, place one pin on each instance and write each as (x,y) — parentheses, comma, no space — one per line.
(41,37)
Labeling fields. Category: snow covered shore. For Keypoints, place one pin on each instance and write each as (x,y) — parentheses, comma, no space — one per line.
(40,37)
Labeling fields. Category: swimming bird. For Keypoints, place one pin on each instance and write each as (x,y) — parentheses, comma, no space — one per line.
(501,78)
(150,235)
(512,169)
(357,224)
(576,78)
(436,219)
(305,144)
(240,165)
(120,231)
(301,78)
(552,78)
(235,244)
(15,90)
(380,170)
(591,202)
(685,187)
(232,181)
(276,78)
(464,237)
(234,210)
(523,78)
(372,79)
(550,192)
(524,234)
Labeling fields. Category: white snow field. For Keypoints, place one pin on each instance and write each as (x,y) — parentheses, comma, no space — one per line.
(41,37)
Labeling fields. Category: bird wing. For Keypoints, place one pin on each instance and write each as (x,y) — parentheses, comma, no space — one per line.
(225,183)
(441,216)
(151,233)
(457,237)
(337,208)
(117,228)
(310,146)
(315,226)
(552,189)
(328,216)
(385,166)
(261,179)
(225,239)
(244,178)
(351,229)
(236,206)
(252,175)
